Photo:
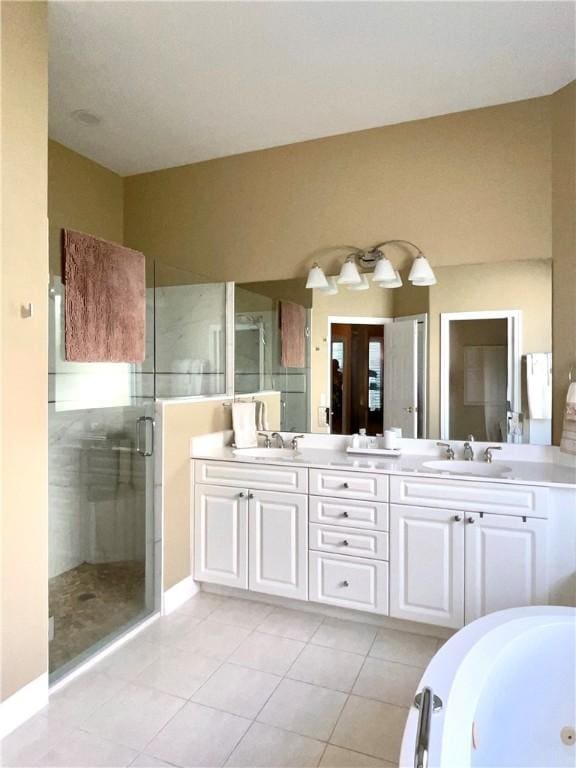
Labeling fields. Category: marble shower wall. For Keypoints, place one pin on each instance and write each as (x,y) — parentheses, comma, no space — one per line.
(97,488)
(190,340)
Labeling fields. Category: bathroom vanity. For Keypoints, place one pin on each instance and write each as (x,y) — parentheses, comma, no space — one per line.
(394,538)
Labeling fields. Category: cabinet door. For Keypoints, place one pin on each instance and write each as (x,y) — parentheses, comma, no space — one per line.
(221,535)
(505,563)
(427,565)
(278,530)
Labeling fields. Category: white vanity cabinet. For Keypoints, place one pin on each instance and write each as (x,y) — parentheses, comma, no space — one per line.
(452,561)
(505,563)
(221,535)
(251,538)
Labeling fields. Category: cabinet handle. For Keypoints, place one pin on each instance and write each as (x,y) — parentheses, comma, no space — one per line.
(250,495)
(345,542)
(345,514)
(345,584)
(241,495)
(470,520)
(346,485)
(457,518)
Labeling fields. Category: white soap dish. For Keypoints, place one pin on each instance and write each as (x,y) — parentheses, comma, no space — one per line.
(395,452)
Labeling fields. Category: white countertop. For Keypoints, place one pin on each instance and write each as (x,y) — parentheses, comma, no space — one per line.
(521,472)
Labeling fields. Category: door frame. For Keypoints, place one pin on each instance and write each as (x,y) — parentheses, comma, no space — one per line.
(344,319)
(514,322)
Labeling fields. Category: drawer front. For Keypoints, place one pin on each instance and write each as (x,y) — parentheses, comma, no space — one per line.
(356,514)
(351,582)
(265,477)
(466,495)
(349,541)
(349,485)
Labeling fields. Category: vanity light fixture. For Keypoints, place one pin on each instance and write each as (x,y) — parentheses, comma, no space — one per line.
(317,278)
(349,274)
(332,289)
(421,273)
(363,285)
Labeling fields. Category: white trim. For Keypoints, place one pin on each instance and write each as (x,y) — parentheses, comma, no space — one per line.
(514,320)
(177,595)
(230,320)
(23,704)
(422,318)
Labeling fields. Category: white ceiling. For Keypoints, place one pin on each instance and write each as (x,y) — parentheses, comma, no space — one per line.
(180,82)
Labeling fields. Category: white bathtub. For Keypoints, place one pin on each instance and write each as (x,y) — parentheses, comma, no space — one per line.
(513,675)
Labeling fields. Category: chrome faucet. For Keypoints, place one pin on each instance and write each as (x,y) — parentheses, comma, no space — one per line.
(294,442)
(488,452)
(267,440)
(468,452)
(279,439)
(449,450)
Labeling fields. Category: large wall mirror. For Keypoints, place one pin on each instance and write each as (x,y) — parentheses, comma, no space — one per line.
(470,355)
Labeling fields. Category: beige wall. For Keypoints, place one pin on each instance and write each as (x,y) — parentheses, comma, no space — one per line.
(470,187)
(181,421)
(526,286)
(563,245)
(82,195)
(24,254)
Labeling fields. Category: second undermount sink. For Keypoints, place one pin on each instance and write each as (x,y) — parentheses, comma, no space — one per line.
(476,468)
(285,454)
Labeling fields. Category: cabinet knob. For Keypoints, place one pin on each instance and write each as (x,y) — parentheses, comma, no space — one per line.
(250,495)
(345,542)
(471,520)
(457,518)
(346,485)
(345,584)
(345,514)
(241,495)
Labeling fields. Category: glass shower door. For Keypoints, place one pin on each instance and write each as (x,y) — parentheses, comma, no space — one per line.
(102,533)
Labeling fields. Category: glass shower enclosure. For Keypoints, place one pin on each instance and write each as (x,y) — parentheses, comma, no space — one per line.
(102,532)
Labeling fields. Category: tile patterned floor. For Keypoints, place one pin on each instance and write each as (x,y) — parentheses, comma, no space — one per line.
(229,682)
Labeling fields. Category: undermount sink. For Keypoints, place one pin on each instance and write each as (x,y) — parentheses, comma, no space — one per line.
(476,468)
(286,454)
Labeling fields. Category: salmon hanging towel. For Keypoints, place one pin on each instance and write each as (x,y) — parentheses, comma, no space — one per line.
(293,334)
(105,314)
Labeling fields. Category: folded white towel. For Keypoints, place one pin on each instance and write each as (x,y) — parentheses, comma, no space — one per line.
(244,425)
(568,441)
(539,384)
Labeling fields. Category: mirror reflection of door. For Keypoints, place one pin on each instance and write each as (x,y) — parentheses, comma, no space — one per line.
(357,355)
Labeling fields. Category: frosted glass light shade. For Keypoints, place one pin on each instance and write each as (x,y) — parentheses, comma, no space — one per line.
(430,281)
(396,283)
(421,269)
(349,274)
(332,288)
(316,278)
(363,285)
(383,272)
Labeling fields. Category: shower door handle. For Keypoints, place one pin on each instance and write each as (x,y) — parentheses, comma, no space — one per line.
(142,426)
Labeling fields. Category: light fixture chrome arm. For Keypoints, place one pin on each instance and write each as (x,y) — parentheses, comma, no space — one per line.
(398,242)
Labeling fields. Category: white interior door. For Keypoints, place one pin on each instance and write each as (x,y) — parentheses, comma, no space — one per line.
(401,376)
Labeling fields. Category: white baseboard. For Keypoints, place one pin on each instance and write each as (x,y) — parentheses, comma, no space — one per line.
(177,595)
(23,704)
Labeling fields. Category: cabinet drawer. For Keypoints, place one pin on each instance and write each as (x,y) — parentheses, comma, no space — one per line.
(349,541)
(351,582)
(265,477)
(356,514)
(466,495)
(349,485)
